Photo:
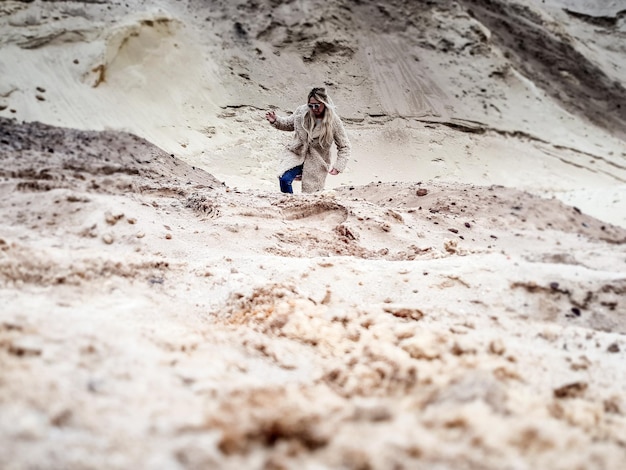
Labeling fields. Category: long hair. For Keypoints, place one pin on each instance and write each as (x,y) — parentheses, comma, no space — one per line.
(326,134)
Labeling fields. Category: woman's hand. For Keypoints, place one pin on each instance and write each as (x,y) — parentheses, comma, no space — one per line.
(271,117)
(334,171)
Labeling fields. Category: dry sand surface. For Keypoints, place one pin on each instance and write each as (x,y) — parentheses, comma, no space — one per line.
(455,300)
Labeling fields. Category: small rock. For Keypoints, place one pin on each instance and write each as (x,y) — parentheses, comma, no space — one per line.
(140,234)
(421,192)
(373,413)
(168,236)
(451,246)
(408,313)
(612,405)
(61,418)
(573,390)
(497,347)
(26,347)
(453,230)
(459,349)
(467,225)
(613,348)
(112,219)
(107,238)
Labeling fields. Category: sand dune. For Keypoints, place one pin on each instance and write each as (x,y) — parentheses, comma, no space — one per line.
(195,78)
(154,317)
(455,299)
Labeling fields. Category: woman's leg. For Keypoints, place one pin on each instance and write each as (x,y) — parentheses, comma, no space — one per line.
(287,178)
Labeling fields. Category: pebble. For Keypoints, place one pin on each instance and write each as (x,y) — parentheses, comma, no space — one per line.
(26,346)
(373,413)
(497,347)
(613,348)
(403,312)
(112,219)
(573,390)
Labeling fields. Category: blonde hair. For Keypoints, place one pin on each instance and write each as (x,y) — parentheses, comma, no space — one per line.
(326,134)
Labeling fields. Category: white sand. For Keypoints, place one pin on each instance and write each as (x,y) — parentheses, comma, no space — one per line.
(164,306)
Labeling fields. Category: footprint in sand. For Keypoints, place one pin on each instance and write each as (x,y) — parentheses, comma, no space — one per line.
(317,213)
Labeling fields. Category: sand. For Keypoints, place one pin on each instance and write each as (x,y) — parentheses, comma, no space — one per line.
(455,299)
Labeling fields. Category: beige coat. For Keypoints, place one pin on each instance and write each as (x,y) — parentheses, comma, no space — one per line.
(316,159)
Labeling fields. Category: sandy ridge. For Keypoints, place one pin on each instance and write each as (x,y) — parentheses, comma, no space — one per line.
(171,321)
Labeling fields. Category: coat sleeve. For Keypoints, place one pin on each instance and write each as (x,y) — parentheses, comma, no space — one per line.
(285,123)
(343,146)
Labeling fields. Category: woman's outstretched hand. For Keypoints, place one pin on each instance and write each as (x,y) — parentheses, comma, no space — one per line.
(334,171)
(271,117)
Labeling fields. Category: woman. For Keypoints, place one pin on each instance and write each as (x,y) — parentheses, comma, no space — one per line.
(316,126)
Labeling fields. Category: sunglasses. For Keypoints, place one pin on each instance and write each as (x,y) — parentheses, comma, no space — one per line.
(315,106)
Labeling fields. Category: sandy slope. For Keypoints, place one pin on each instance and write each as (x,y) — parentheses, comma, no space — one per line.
(195,77)
(165,307)
(154,318)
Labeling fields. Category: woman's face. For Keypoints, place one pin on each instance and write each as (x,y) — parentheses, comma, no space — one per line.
(316,107)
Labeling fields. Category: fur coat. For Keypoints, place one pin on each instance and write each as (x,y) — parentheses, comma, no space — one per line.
(316,159)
